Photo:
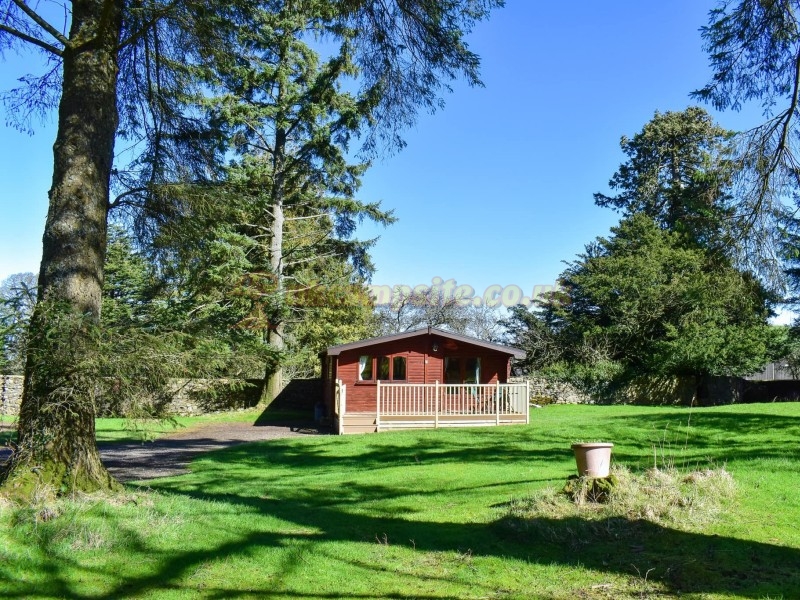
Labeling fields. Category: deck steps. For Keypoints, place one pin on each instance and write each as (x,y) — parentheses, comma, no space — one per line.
(360,423)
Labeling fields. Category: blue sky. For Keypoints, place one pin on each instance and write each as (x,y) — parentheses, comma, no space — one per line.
(496,189)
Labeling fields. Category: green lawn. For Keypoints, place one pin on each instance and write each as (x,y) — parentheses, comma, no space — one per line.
(123,430)
(130,430)
(426,515)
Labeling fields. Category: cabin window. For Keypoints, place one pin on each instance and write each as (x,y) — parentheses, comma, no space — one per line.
(472,370)
(458,370)
(399,368)
(364,368)
(452,370)
(383,367)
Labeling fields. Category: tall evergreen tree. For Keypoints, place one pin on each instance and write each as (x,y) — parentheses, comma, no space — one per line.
(679,172)
(17,299)
(754,53)
(663,295)
(138,57)
(643,302)
(285,111)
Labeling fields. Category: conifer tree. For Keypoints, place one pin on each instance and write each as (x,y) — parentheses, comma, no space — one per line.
(286,112)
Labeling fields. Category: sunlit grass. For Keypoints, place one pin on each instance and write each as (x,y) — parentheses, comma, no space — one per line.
(128,430)
(119,429)
(426,514)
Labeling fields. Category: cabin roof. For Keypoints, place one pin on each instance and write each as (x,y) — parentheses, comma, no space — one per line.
(509,350)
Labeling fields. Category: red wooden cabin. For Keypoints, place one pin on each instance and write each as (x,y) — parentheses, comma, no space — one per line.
(422,378)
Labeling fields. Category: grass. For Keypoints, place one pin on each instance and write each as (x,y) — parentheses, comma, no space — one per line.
(134,430)
(432,514)
(123,430)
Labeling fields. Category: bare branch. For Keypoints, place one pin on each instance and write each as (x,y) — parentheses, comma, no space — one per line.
(36,18)
(310,259)
(317,216)
(31,40)
(119,199)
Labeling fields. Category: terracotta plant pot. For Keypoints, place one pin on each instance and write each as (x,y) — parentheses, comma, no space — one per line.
(594,459)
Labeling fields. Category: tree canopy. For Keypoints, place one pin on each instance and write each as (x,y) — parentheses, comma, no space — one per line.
(679,172)
(644,303)
(663,295)
(754,53)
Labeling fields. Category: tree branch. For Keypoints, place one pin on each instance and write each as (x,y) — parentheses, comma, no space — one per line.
(310,259)
(118,200)
(34,16)
(31,40)
(134,37)
(317,216)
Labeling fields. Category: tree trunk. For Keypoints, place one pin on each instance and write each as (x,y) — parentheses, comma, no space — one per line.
(274,375)
(56,433)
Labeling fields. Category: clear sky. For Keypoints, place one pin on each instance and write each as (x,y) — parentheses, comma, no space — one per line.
(497,187)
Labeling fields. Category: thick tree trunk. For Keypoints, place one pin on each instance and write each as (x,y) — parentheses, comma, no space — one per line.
(274,376)
(56,434)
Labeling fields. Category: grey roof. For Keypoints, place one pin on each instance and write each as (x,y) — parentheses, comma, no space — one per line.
(511,351)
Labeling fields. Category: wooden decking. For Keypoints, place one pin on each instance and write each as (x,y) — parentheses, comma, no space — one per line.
(422,406)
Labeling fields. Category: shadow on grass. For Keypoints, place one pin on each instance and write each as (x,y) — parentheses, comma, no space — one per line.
(257,480)
(670,561)
(678,562)
(697,436)
(683,562)
(711,436)
(298,420)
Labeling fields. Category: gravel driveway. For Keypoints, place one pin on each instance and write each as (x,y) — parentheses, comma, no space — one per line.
(171,455)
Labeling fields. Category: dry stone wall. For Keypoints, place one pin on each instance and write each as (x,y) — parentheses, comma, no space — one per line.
(10,394)
(544,391)
(185,397)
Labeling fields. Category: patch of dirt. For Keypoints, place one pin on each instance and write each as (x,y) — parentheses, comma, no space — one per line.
(171,455)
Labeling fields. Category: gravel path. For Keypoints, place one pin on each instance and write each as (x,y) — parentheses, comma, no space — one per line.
(171,455)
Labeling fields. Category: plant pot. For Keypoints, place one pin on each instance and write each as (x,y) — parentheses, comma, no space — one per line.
(594,459)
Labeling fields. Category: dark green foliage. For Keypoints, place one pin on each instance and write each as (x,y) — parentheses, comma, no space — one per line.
(189,320)
(17,298)
(643,303)
(284,111)
(679,172)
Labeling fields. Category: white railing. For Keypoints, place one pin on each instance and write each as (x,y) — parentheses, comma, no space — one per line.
(444,402)
(340,404)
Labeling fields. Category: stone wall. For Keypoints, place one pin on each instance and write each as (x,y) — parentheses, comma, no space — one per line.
(683,391)
(544,391)
(201,396)
(10,394)
(184,397)
(652,391)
